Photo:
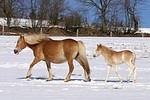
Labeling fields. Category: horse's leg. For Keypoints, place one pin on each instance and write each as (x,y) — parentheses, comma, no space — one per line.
(107,73)
(71,67)
(36,60)
(117,72)
(132,69)
(50,78)
(134,80)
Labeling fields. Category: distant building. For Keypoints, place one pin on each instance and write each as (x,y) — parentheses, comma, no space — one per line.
(143,31)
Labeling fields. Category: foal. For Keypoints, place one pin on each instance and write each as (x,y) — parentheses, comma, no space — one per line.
(114,58)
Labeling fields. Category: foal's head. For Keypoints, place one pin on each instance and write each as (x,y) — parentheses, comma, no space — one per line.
(21,44)
(98,50)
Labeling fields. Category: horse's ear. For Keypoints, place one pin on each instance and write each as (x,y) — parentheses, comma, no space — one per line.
(21,35)
(100,45)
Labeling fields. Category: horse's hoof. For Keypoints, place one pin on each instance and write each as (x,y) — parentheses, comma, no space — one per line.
(134,81)
(66,80)
(105,81)
(49,80)
(28,76)
(28,79)
(89,80)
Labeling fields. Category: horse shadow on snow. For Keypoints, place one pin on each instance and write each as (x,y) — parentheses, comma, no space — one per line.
(44,78)
(61,79)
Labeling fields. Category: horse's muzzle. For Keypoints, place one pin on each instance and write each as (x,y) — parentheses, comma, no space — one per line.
(16,51)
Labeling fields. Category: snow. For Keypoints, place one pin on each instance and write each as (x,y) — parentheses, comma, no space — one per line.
(13,68)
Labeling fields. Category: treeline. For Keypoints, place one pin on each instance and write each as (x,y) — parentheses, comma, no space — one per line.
(117,16)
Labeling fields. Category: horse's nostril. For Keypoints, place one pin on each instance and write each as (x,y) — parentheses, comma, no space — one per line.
(15,51)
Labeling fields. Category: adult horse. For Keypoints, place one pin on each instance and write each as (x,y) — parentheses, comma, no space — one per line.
(114,58)
(54,51)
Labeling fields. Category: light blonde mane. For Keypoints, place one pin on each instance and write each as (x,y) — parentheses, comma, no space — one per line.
(107,49)
(35,38)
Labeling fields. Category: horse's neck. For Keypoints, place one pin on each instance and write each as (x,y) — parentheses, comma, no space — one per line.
(106,52)
(32,46)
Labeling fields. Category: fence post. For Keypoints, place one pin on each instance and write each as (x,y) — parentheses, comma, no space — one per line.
(41,31)
(2,29)
(110,34)
(77,33)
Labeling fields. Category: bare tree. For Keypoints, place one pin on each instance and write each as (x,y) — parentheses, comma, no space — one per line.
(115,13)
(43,11)
(11,9)
(51,10)
(132,13)
(101,10)
(33,12)
(56,10)
(73,19)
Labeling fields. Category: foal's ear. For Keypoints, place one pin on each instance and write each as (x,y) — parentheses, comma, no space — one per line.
(99,45)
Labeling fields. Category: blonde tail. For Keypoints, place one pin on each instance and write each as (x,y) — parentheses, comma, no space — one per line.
(83,58)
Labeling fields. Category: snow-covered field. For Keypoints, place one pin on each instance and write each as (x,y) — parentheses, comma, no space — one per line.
(13,68)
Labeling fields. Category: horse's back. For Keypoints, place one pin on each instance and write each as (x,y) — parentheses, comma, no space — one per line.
(70,46)
(59,51)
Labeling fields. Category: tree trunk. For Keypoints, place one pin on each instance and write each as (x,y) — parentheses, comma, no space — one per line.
(136,24)
(103,24)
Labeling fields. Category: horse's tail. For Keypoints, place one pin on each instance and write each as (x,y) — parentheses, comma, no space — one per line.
(83,58)
(133,58)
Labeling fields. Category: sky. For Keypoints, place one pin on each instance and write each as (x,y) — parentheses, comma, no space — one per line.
(145,17)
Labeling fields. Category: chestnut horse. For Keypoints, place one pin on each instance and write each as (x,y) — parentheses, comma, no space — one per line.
(114,58)
(54,51)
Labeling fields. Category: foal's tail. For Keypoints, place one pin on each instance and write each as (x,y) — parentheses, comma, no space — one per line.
(133,58)
(83,58)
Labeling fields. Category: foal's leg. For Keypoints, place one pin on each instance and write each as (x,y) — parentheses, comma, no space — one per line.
(134,80)
(71,67)
(107,73)
(117,72)
(36,60)
(50,78)
(132,69)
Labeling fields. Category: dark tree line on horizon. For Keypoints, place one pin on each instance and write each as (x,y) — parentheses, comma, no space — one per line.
(106,15)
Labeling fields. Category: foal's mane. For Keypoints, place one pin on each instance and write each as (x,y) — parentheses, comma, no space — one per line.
(107,48)
(35,38)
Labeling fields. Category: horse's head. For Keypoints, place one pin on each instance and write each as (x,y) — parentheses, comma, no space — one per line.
(98,50)
(21,44)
